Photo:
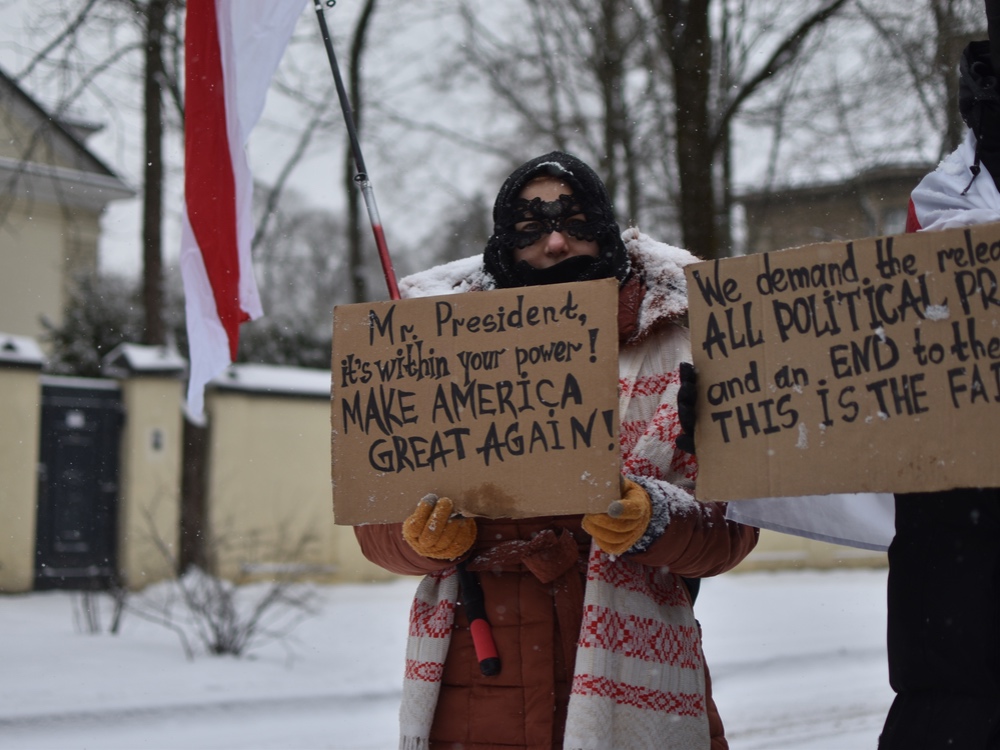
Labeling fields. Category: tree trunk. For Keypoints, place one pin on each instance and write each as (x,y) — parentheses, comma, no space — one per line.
(609,68)
(152,200)
(687,43)
(192,522)
(950,43)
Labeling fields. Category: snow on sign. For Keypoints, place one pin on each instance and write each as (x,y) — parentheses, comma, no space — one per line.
(863,366)
(505,401)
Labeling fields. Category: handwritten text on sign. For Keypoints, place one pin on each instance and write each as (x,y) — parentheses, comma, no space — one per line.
(504,401)
(871,365)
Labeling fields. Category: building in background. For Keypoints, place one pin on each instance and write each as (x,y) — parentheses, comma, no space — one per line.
(873,203)
(53,190)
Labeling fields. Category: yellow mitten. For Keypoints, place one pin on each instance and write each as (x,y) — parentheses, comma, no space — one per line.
(624,523)
(432,532)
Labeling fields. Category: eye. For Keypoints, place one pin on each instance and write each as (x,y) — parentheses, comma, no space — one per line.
(528,226)
(577,220)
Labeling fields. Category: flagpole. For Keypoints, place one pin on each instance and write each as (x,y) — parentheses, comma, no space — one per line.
(359,162)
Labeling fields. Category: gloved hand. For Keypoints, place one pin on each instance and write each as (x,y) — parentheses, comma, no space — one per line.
(687,397)
(432,531)
(624,523)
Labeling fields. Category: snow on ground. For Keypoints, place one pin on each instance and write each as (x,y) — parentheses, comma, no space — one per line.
(797,661)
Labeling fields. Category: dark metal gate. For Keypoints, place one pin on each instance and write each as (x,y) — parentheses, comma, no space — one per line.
(76,544)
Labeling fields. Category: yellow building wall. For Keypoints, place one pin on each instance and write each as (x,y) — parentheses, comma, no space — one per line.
(269,503)
(150,486)
(51,211)
(20,139)
(41,248)
(20,417)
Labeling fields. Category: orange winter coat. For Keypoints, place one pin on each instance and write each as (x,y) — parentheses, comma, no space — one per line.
(532,571)
(535,624)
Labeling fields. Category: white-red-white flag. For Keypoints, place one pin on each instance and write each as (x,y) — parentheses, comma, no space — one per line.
(232,48)
(949,198)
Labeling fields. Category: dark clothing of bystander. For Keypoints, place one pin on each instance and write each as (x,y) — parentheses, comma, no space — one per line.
(944,621)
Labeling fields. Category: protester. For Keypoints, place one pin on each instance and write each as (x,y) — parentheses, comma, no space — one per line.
(944,561)
(593,624)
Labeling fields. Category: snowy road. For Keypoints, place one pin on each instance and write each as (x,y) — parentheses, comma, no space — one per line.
(797,661)
(811,712)
(268,724)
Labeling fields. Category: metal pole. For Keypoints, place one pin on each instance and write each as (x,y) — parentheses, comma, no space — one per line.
(359,162)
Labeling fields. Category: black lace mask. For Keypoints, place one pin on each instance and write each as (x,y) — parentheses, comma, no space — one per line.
(538,217)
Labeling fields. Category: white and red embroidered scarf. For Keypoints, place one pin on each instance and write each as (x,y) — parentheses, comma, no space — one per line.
(639,680)
(431,618)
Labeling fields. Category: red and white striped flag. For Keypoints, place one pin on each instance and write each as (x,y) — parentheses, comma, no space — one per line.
(232,48)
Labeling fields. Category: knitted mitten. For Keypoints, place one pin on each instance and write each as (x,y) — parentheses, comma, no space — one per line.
(624,523)
(432,532)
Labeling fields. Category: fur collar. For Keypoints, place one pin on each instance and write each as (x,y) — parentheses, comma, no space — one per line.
(661,267)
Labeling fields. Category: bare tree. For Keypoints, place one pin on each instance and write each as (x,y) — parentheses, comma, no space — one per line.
(264,602)
(881,91)
(709,91)
(301,280)
(464,229)
(89,44)
(571,75)
(648,91)
(157,35)
(919,48)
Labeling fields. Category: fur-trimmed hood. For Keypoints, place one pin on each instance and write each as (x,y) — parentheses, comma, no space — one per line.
(660,266)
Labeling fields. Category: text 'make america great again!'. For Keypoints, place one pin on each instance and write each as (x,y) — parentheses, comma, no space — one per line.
(505,401)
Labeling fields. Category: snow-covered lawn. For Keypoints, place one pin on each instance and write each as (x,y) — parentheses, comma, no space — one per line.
(797,660)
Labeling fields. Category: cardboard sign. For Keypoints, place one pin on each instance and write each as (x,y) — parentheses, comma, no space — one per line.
(504,401)
(865,366)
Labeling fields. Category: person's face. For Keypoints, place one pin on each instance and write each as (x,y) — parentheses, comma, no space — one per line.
(555,246)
